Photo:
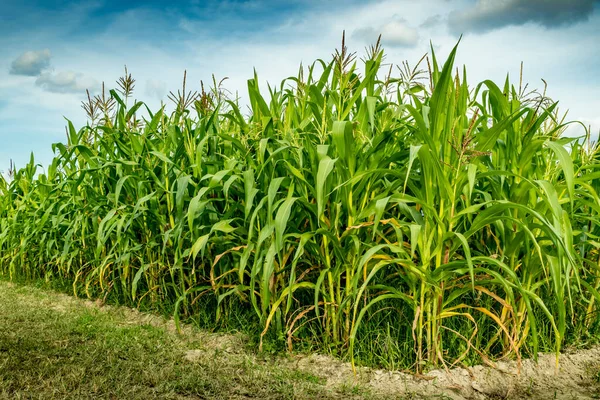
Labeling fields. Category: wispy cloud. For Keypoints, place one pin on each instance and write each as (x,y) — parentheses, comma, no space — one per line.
(488,15)
(31,63)
(431,21)
(396,33)
(65,82)
(156,88)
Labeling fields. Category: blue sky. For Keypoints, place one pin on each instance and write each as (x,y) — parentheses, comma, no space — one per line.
(51,51)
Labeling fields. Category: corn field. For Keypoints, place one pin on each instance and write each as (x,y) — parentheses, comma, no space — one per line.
(399,216)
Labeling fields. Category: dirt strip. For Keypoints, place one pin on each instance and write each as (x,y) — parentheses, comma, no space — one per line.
(573,379)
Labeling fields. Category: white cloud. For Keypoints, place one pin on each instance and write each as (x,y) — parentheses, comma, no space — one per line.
(31,63)
(396,33)
(66,82)
(592,125)
(37,64)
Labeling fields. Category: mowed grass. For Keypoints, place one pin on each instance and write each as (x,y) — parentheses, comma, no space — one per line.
(52,346)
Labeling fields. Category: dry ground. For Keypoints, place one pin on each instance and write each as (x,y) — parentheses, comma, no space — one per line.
(53,346)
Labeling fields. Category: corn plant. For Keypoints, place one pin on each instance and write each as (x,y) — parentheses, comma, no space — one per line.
(347,200)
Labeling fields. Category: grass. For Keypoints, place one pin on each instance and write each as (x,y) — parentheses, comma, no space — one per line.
(396,217)
(55,347)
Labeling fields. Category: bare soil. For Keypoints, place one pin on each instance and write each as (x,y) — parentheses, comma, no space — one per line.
(572,379)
